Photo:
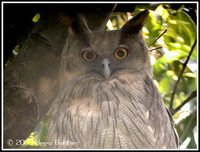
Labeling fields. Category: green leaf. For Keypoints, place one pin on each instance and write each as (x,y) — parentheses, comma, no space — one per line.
(185,129)
(36,18)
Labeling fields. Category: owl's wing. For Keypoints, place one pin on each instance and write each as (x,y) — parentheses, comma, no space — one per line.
(173,127)
(162,122)
(160,119)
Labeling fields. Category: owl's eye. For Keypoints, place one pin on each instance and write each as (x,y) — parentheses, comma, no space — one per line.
(121,53)
(89,55)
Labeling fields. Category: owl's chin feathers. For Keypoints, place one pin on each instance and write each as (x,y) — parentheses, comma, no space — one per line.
(114,74)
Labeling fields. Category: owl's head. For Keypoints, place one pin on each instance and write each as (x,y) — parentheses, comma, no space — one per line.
(106,53)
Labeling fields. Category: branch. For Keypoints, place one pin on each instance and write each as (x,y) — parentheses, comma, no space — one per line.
(160,47)
(180,75)
(118,24)
(158,37)
(192,95)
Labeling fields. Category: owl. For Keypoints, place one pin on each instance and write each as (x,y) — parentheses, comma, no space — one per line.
(107,97)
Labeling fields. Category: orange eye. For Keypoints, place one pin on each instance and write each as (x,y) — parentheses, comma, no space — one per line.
(121,53)
(89,55)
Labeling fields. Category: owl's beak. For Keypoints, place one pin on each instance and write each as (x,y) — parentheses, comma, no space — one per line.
(106,68)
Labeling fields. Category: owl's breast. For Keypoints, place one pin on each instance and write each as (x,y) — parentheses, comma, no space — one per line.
(107,114)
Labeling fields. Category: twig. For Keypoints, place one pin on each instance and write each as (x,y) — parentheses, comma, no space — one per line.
(193,95)
(180,75)
(158,37)
(118,24)
(160,47)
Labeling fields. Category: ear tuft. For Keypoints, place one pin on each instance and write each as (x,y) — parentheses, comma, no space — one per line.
(134,25)
(79,25)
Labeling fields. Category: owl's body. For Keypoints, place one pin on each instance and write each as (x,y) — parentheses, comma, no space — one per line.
(107,97)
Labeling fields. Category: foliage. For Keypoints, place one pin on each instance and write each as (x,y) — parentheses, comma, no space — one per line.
(167,63)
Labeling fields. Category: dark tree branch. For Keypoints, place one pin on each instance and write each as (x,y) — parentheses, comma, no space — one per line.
(179,77)
(158,37)
(118,24)
(192,95)
(160,47)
